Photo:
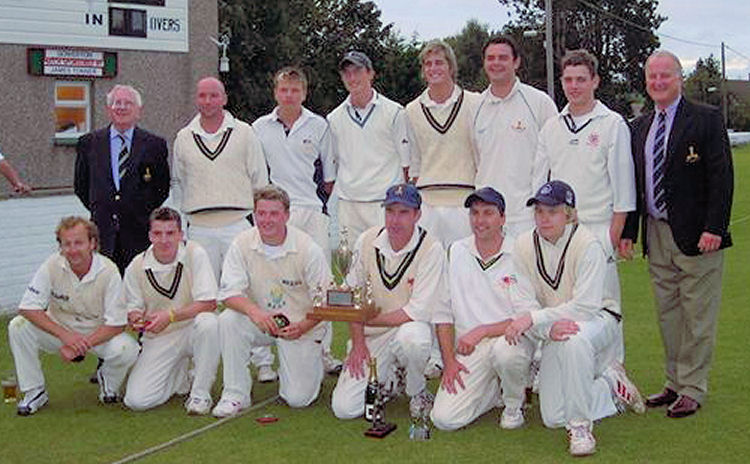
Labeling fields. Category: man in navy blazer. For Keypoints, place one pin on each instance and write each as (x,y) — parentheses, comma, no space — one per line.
(121,175)
(685,183)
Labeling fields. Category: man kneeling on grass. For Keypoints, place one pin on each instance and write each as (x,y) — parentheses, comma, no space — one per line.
(480,366)
(268,281)
(170,294)
(580,379)
(71,306)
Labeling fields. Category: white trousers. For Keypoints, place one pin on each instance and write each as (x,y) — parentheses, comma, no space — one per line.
(216,241)
(407,345)
(570,382)
(26,339)
(446,223)
(358,216)
(313,223)
(156,374)
(496,370)
(300,361)
(611,277)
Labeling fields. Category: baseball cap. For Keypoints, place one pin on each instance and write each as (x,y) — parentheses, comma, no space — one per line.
(356,58)
(487,195)
(553,193)
(405,194)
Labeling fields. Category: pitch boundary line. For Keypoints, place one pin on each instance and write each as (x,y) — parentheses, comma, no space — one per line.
(193,433)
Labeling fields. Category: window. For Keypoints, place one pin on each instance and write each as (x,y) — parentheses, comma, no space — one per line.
(72,109)
(127,22)
(140,2)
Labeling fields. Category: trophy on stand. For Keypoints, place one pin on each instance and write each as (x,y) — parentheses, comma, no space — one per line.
(419,430)
(340,302)
(375,399)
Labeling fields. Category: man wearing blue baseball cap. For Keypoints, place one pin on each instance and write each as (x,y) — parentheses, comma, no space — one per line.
(580,378)
(404,266)
(480,366)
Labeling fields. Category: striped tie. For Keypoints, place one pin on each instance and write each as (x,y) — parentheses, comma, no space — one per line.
(122,167)
(659,164)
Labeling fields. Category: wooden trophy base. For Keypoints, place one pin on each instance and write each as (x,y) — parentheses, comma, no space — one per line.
(341,313)
(380,431)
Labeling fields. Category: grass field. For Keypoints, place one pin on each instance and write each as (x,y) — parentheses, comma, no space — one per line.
(73,428)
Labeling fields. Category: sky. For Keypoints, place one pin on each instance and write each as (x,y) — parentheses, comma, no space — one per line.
(693,29)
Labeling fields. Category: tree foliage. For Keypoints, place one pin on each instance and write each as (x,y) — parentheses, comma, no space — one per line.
(704,83)
(312,34)
(620,33)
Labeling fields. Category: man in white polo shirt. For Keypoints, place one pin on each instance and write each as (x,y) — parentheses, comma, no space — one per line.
(506,130)
(588,146)
(370,145)
(442,153)
(170,295)
(71,306)
(405,266)
(481,367)
(297,147)
(269,278)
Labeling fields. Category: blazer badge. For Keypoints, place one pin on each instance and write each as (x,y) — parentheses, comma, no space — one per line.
(147,175)
(692,156)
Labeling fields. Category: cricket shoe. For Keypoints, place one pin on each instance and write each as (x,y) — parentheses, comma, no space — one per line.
(434,369)
(420,404)
(266,374)
(32,401)
(624,391)
(331,365)
(198,406)
(512,418)
(582,441)
(227,407)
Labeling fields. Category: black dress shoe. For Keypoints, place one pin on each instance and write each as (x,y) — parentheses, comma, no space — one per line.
(683,407)
(668,396)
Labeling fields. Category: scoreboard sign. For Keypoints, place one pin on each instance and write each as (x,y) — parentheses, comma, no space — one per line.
(156,25)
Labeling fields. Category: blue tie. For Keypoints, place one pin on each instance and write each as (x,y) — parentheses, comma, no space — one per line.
(659,164)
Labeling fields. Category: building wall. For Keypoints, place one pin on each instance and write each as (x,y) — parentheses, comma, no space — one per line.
(165,79)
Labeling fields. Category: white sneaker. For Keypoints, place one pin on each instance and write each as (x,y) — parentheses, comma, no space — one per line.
(198,406)
(32,401)
(266,374)
(582,441)
(331,365)
(226,408)
(624,391)
(421,404)
(512,418)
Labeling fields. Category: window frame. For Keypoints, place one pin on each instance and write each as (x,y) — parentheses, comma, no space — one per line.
(85,103)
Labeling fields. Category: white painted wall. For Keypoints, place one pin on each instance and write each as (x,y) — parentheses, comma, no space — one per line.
(27,238)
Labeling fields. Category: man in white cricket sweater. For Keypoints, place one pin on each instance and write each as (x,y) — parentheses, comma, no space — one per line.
(442,165)
(580,378)
(270,276)
(71,307)
(481,367)
(297,147)
(404,266)
(588,146)
(217,165)
(506,131)
(370,144)
(170,295)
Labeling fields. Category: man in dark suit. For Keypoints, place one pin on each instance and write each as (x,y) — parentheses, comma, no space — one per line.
(121,175)
(685,182)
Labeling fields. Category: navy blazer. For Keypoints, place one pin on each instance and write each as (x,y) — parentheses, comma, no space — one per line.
(144,188)
(699,177)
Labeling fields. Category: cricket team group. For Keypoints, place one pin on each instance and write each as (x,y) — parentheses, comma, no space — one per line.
(487,225)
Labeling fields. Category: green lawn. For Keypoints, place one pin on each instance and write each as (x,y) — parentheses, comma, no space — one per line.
(74,428)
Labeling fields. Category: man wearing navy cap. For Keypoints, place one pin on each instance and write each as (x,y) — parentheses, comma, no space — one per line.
(370,146)
(480,366)
(404,266)
(580,379)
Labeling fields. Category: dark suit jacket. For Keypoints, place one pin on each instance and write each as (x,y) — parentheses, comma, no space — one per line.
(144,188)
(698,189)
